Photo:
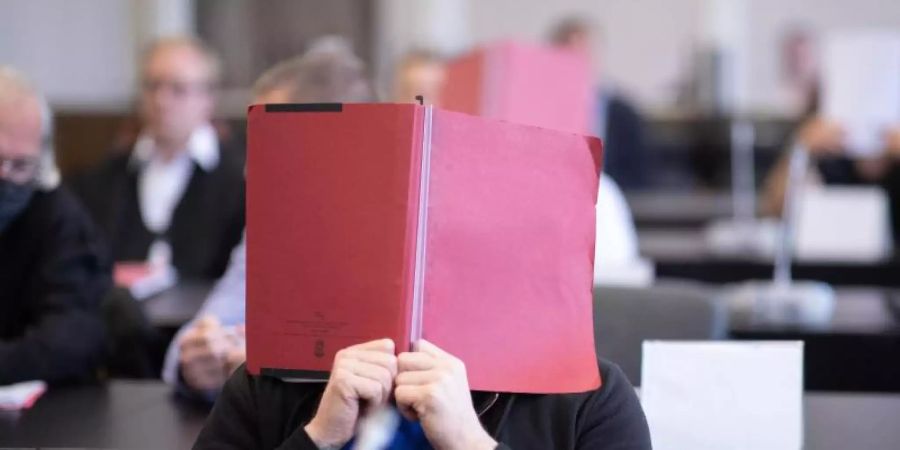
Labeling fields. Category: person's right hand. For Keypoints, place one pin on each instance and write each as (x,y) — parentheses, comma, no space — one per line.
(202,354)
(361,374)
(821,136)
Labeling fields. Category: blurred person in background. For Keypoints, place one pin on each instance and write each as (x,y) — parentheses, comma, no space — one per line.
(799,72)
(207,350)
(178,195)
(53,266)
(830,164)
(420,72)
(625,163)
(626,157)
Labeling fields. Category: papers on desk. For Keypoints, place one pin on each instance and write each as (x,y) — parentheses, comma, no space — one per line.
(716,395)
(21,395)
(861,86)
(844,223)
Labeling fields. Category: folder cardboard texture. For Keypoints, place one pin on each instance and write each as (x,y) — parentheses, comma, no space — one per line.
(524,83)
(397,220)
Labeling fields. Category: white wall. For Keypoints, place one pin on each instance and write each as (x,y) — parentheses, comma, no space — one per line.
(78,52)
(649,42)
(770,17)
(83,54)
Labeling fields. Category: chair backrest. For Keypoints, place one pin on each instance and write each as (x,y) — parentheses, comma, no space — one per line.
(625,317)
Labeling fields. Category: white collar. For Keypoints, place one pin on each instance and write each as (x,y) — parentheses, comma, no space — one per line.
(202,147)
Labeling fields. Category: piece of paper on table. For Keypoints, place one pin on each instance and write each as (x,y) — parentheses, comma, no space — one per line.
(859,214)
(861,86)
(715,395)
(21,395)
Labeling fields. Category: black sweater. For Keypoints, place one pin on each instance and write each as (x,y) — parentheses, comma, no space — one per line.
(262,412)
(53,273)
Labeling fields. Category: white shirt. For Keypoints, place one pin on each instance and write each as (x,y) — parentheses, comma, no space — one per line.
(161,184)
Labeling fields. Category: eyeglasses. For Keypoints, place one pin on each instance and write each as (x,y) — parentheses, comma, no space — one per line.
(176,88)
(18,170)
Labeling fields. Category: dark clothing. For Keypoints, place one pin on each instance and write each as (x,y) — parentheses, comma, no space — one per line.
(263,412)
(841,170)
(206,224)
(53,273)
(626,156)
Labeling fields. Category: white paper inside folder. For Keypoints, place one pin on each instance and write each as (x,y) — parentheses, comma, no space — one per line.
(723,395)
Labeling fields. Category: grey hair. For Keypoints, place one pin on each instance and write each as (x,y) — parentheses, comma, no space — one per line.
(15,87)
(328,71)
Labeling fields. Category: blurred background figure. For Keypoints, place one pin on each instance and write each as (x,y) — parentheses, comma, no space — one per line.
(176,197)
(419,72)
(206,351)
(53,265)
(626,157)
(799,60)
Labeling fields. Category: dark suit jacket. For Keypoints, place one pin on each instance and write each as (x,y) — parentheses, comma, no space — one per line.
(626,156)
(54,270)
(206,224)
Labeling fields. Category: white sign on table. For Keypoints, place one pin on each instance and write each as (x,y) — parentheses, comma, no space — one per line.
(723,395)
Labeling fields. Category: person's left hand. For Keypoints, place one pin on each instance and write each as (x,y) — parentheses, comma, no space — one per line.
(237,351)
(431,386)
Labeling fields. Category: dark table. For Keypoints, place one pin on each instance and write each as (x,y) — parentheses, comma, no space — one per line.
(120,414)
(684,254)
(145,415)
(174,307)
(857,350)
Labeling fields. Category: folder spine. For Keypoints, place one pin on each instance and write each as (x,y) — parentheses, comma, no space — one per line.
(421,231)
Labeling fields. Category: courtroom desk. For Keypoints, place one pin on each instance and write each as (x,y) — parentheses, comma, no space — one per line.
(857,350)
(677,209)
(145,415)
(682,253)
(120,414)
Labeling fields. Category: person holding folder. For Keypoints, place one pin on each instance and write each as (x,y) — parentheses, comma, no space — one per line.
(209,348)
(431,390)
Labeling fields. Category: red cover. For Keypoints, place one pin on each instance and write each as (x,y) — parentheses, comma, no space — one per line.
(524,83)
(330,227)
(333,202)
(510,253)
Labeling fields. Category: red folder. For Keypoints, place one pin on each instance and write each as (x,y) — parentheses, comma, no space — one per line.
(367,221)
(525,83)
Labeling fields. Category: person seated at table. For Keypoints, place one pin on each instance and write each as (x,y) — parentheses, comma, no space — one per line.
(824,140)
(626,156)
(176,197)
(430,389)
(53,266)
(206,351)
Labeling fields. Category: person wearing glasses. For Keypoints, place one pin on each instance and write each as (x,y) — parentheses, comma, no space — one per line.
(178,192)
(53,265)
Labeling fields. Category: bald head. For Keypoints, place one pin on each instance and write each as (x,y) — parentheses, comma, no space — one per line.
(179,76)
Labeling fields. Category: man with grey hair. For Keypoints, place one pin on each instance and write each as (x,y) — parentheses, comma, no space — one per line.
(176,197)
(53,267)
(207,350)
